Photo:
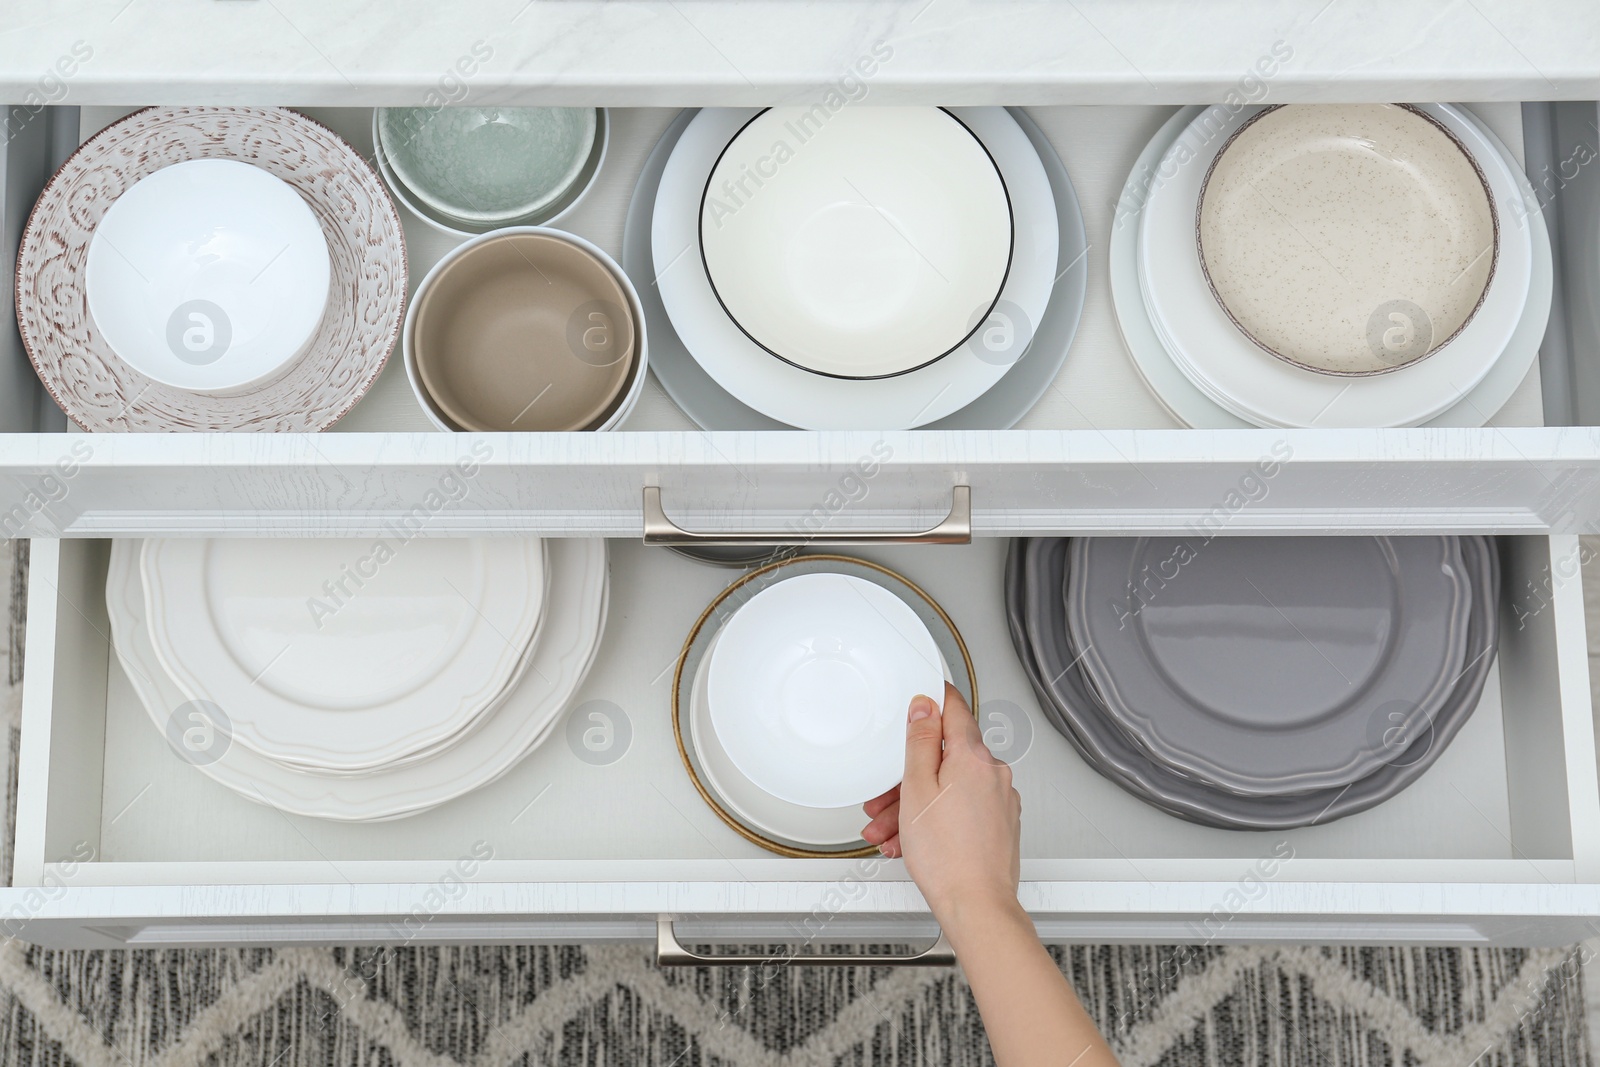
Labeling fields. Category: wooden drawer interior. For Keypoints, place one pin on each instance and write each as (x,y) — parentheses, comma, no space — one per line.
(1514,799)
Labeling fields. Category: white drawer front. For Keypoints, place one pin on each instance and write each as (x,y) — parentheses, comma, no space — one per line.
(119,839)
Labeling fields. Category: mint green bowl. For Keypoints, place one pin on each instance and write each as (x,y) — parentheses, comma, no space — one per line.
(489,166)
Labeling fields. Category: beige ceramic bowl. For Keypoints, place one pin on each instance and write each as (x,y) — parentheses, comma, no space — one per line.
(1347,239)
(523,329)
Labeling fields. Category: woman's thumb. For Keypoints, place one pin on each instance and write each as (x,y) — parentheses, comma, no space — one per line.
(924,745)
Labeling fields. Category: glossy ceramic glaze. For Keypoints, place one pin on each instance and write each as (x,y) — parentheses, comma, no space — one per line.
(487,164)
(1317,217)
(862,244)
(816,827)
(210,275)
(809,686)
(796,397)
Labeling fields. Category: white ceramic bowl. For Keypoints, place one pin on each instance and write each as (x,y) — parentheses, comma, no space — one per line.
(632,390)
(209,275)
(792,823)
(809,685)
(863,246)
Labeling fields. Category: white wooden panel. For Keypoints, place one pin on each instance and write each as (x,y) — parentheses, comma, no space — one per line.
(1133,481)
(1298,912)
(58,816)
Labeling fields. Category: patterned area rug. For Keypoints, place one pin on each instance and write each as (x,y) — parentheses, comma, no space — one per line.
(599,1006)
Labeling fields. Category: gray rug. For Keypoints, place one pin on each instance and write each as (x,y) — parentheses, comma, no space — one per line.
(607,1005)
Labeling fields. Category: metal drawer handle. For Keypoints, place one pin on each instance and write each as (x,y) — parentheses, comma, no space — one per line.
(671,953)
(954,529)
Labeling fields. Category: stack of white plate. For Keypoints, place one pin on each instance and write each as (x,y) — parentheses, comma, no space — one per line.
(1330,265)
(792,692)
(356,680)
(866,267)
(1256,683)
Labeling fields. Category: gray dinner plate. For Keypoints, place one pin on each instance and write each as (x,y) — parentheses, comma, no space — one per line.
(736,557)
(1269,665)
(1013,396)
(1036,572)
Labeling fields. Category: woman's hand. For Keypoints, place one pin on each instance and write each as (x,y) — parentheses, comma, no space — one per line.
(958,823)
(955,818)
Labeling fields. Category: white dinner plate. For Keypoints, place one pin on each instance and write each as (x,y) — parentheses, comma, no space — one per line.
(809,685)
(1185,400)
(1236,373)
(864,244)
(813,401)
(714,408)
(568,639)
(344,654)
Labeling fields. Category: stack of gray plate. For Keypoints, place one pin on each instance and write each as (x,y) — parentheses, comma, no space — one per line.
(1256,683)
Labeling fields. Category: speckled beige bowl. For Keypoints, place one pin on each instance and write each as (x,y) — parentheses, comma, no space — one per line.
(1347,239)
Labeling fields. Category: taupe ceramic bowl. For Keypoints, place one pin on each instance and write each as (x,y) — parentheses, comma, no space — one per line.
(523,329)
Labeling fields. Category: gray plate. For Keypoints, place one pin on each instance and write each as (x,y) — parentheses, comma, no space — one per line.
(1036,614)
(714,408)
(735,556)
(1269,665)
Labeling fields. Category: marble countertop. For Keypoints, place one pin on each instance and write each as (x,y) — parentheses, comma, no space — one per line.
(744,52)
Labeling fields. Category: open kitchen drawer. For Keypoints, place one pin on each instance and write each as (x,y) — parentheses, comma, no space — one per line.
(120,841)
(1097,453)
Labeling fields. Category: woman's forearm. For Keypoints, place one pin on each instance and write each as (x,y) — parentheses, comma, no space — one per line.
(1032,1016)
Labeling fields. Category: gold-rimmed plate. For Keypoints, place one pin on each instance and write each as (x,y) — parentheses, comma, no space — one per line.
(945,636)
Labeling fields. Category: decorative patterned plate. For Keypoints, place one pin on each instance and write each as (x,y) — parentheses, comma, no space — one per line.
(366,249)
